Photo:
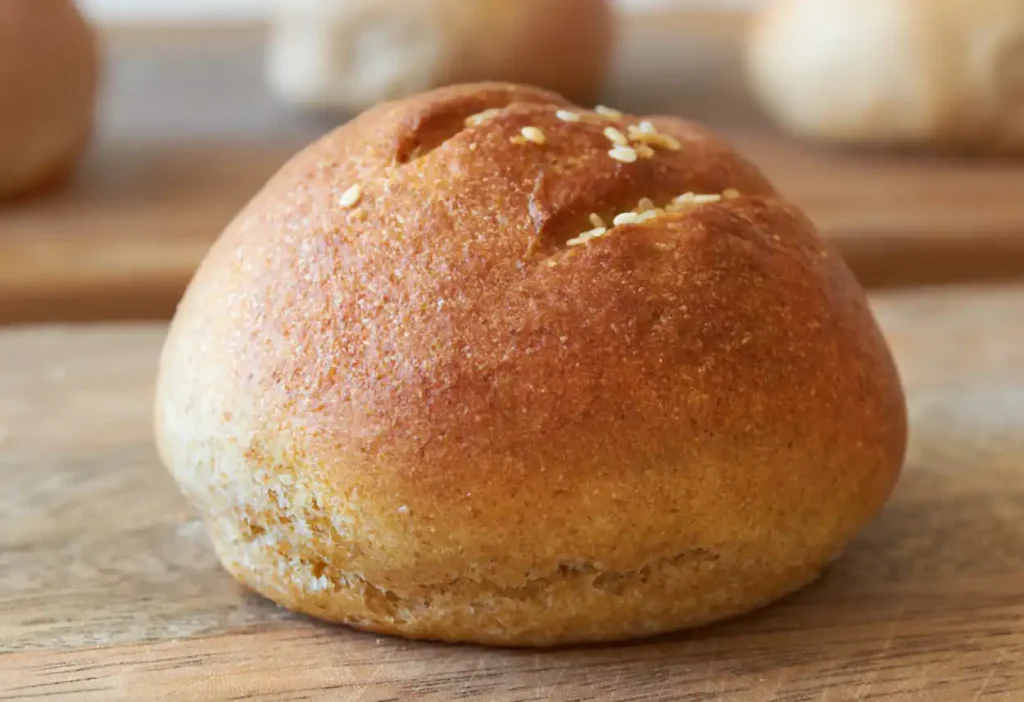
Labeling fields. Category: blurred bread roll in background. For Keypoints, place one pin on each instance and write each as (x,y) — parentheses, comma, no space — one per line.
(351,54)
(49,68)
(946,73)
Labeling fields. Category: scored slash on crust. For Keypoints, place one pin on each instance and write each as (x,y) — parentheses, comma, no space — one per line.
(638,142)
(626,149)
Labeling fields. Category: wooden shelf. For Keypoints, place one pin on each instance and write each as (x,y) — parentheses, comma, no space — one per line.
(188,133)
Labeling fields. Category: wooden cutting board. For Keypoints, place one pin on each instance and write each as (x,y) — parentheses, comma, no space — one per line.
(188,134)
(109,590)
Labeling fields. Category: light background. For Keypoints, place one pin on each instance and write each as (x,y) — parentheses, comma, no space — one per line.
(199,10)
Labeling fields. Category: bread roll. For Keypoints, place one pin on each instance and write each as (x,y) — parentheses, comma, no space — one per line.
(472,368)
(947,73)
(48,77)
(350,54)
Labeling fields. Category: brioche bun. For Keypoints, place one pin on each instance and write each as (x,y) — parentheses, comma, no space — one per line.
(349,55)
(932,73)
(49,70)
(413,388)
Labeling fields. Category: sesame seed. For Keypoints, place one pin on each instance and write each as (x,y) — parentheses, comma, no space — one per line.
(642,130)
(667,142)
(596,220)
(664,246)
(626,218)
(404,509)
(730,193)
(567,116)
(533,134)
(625,154)
(518,139)
(351,196)
(643,150)
(645,204)
(649,214)
(586,236)
(680,203)
(656,139)
(481,117)
(705,199)
(608,113)
(615,136)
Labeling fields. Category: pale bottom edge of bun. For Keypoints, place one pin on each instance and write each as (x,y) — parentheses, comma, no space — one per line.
(573,606)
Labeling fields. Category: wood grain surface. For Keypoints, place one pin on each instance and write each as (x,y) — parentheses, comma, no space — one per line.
(188,133)
(110,591)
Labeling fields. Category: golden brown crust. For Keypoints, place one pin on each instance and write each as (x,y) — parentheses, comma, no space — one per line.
(428,414)
(49,70)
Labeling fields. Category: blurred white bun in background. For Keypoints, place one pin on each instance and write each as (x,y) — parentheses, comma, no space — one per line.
(350,54)
(900,72)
